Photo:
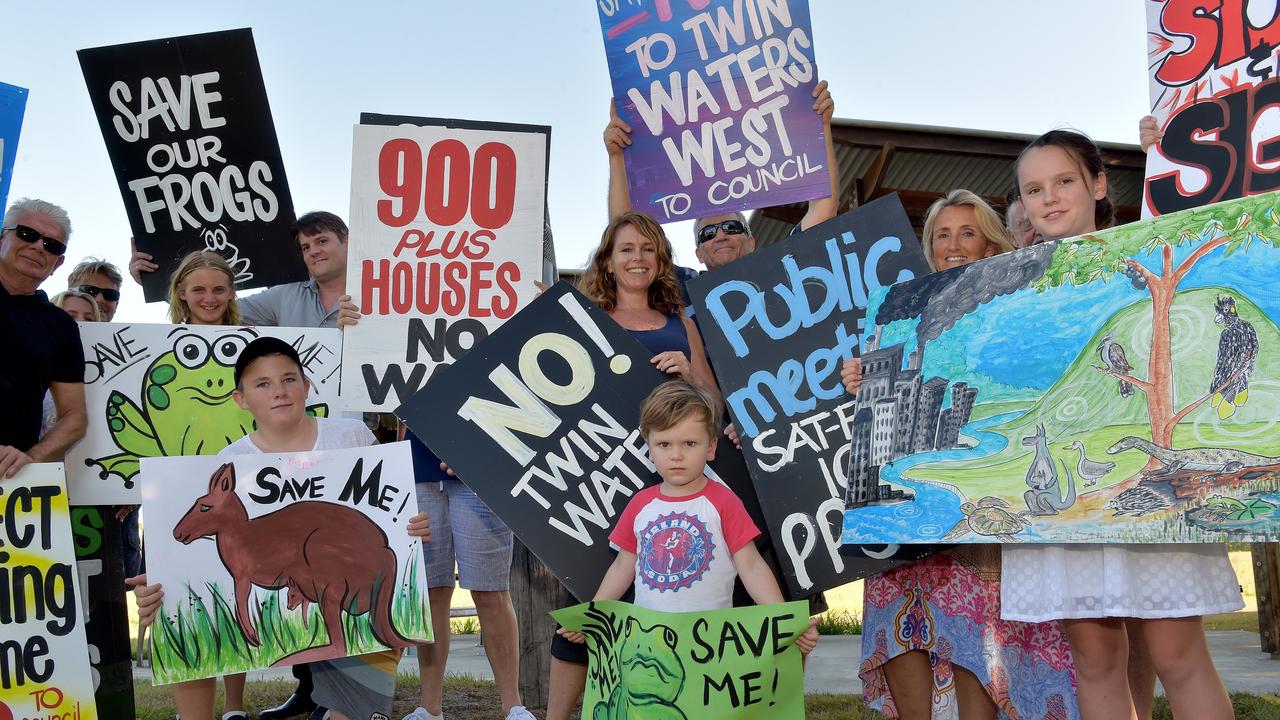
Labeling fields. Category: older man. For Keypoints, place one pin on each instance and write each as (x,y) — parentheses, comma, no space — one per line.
(44,352)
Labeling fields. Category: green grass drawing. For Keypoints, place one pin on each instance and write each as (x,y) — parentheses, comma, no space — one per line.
(198,641)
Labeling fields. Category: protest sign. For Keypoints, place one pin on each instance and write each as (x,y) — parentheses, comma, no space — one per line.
(188,128)
(719,97)
(739,664)
(44,664)
(13,104)
(1116,387)
(155,390)
(344,577)
(446,242)
(1214,88)
(104,610)
(548,436)
(778,325)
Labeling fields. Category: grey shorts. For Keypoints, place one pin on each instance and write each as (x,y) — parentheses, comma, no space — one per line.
(465,532)
(362,687)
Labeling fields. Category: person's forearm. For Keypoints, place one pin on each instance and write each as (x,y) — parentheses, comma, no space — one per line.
(616,580)
(759,581)
(619,193)
(823,209)
(53,446)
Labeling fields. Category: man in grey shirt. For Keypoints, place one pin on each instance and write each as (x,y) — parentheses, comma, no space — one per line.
(322,238)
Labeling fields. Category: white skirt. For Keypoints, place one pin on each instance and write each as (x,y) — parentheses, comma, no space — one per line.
(1067,582)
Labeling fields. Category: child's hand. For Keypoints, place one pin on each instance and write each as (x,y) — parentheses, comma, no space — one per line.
(731,432)
(419,526)
(576,637)
(851,375)
(809,640)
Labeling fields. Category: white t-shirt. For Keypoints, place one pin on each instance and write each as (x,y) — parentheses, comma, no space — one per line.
(684,546)
(331,434)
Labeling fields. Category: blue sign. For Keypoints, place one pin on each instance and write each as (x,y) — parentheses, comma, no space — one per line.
(13,102)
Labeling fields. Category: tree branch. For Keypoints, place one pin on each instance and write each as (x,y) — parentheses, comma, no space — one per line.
(1142,385)
(1178,416)
(1199,254)
(1166,258)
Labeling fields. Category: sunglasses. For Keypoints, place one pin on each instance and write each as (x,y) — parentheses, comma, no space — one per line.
(107,294)
(53,246)
(730,227)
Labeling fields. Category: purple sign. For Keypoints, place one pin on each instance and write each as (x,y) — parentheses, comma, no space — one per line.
(718,94)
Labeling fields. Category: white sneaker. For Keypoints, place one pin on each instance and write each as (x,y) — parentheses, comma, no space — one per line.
(519,712)
(420,713)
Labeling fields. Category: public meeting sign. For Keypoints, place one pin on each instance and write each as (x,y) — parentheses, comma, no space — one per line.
(446,243)
(779,323)
(13,104)
(719,97)
(188,128)
(1215,95)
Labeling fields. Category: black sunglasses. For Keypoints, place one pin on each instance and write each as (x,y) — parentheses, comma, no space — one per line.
(730,227)
(108,294)
(53,246)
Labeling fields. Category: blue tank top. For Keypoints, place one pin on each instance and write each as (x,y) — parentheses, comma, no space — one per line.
(671,336)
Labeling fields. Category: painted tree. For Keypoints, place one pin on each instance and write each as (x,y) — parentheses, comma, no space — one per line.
(1230,227)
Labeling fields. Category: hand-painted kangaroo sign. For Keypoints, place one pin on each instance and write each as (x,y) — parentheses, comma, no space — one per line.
(739,664)
(163,390)
(446,242)
(13,103)
(188,128)
(1116,387)
(546,432)
(44,661)
(719,100)
(1214,89)
(104,609)
(779,324)
(345,578)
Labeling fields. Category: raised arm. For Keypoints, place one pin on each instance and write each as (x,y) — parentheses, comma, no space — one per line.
(823,209)
(617,136)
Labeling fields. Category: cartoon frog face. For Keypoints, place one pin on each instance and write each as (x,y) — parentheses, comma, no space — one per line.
(186,394)
(651,670)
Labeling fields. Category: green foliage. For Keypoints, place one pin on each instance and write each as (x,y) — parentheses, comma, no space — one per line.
(196,641)
(839,622)
(1102,254)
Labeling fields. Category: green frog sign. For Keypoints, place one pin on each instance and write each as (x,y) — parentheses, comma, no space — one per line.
(165,390)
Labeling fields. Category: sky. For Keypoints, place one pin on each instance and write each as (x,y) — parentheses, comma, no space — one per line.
(1018,67)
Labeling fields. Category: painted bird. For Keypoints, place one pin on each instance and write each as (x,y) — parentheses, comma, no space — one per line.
(1237,356)
(1113,359)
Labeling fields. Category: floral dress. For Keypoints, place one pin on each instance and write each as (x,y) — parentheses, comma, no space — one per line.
(948,605)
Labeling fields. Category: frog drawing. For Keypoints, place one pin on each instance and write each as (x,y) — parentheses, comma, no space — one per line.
(652,676)
(186,406)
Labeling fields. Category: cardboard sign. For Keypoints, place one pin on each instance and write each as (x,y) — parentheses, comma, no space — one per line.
(157,390)
(344,578)
(778,324)
(719,97)
(1117,387)
(1214,89)
(188,128)
(104,609)
(13,104)
(446,241)
(544,428)
(739,664)
(44,664)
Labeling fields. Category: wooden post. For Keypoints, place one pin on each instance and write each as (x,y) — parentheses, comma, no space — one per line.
(534,592)
(1266,582)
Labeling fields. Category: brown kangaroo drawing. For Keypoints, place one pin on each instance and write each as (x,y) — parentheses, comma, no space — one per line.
(320,552)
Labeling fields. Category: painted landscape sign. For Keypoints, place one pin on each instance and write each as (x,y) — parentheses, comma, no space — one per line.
(779,323)
(13,104)
(345,578)
(1215,87)
(739,664)
(446,243)
(1117,387)
(719,99)
(44,661)
(188,127)
(159,390)
(547,430)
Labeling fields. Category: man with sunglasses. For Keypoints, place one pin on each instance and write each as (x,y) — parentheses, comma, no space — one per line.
(100,280)
(44,352)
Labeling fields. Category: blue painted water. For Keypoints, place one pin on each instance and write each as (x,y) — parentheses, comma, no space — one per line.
(935,509)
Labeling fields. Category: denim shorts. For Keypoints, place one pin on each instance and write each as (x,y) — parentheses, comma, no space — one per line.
(466,532)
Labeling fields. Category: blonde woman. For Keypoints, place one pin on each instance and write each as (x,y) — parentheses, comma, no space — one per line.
(202,291)
(933,643)
(80,306)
